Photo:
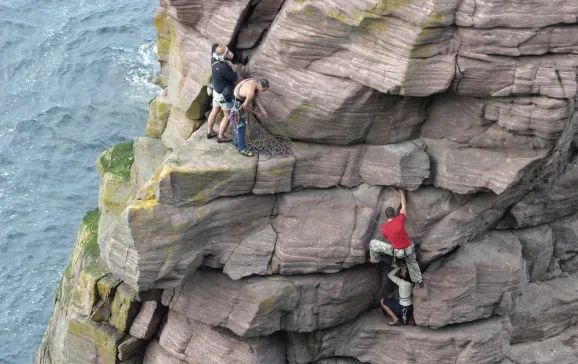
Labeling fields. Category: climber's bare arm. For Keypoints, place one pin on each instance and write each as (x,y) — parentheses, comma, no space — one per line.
(249,101)
(403,201)
(260,105)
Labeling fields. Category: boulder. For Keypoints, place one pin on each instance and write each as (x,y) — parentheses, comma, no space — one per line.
(561,349)
(537,249)
(370,339)
(545,310)
(257,306)
(482,278)
(403,165)
(468,170)
(195,342)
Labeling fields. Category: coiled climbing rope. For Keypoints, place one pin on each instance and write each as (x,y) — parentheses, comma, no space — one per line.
(260,141)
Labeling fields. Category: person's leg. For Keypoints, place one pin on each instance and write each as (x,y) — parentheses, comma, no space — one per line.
(378,247)
(412,264)
(388,306)
(211,121)
(224,122)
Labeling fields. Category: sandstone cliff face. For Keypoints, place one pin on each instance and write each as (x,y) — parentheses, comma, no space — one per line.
(200,255)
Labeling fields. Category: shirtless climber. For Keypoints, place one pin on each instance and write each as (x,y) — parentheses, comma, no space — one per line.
(224,77)
(400,245)
(400,308)
(246,92)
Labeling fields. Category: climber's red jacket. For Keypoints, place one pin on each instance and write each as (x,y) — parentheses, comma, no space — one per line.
(394,232)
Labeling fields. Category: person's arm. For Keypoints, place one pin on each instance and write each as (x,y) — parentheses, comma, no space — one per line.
(249,101)
(393,277)
(233,67)
(231,75)
(261,108)
(403,202)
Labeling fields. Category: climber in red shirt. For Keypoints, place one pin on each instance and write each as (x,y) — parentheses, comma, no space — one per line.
(398,244)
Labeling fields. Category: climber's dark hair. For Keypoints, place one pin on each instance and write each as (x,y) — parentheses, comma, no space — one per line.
(263,83)
(390,213)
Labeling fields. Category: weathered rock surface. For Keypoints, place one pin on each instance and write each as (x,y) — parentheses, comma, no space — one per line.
(561,349)
(404,165)
(546,309)
(512,14)
(324,231)
(202,170)
(147,320)
(482,278)
(452,167)
(194,342)
(565,257)
(369,339)
(262,305)
(498,123)
(537,249)
(469,104)
(149,153)
(546,203)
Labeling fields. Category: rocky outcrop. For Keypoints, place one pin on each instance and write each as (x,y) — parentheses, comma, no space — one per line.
(369,340)
(198,254)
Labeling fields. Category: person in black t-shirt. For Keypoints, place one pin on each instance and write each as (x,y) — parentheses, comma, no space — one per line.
(223,79)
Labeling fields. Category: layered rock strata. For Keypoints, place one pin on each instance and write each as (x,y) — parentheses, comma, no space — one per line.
(198,254)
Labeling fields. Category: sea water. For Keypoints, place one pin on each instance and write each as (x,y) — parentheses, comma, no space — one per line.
(74,80)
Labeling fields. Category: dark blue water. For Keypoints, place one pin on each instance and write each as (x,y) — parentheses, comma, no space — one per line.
(73,81)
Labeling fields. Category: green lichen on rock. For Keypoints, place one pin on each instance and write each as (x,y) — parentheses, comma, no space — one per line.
(86,255)
(124,308)
(90,342)
(117,160)
(159,110)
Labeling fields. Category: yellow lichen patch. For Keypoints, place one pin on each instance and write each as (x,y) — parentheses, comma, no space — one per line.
(376,25)
(266,306)
(299,111)
(143,205)
(388,6)
(169,250)
(339,15)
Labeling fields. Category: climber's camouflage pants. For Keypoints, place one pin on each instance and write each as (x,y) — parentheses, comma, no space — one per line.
(378,247)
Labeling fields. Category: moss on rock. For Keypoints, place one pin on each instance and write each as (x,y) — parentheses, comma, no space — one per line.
(124,308)
(117,160)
